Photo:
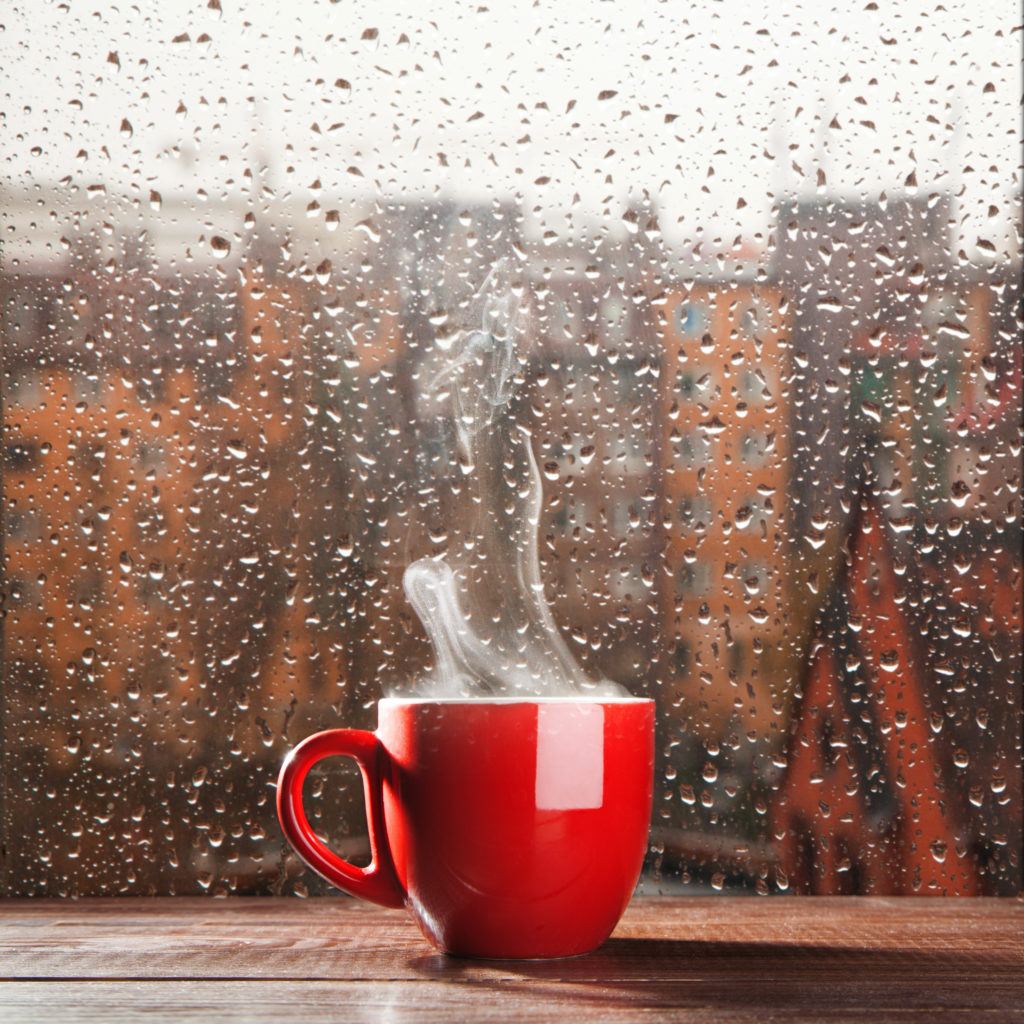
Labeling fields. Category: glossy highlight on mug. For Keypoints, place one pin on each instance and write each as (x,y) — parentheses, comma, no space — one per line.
(509,827)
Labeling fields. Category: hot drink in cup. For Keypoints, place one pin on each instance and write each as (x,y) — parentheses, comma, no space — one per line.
(510,827)
(508,799)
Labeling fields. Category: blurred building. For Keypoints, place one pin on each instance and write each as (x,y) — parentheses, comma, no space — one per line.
(907,375)
(862,807)
(725,450)
(591,387)
(149,423)
(849,268)
(214,479)
(100,459)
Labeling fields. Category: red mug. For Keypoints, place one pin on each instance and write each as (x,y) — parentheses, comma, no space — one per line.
(508,827)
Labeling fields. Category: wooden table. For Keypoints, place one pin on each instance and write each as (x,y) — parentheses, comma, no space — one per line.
(336,960)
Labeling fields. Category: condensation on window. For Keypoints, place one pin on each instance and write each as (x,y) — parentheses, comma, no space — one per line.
(768,315)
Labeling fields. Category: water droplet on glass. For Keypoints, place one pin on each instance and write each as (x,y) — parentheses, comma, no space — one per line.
(890,661)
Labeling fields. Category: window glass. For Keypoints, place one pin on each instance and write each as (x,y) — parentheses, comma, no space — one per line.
(762,272)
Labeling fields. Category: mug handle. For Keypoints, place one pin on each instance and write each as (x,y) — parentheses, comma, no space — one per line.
(376,882)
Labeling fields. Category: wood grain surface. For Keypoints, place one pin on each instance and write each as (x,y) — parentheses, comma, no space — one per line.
(692,959)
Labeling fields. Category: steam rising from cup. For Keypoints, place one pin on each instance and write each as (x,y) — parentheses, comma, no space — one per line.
(485,612)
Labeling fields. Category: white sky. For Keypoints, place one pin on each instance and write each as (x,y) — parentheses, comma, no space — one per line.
(716,110)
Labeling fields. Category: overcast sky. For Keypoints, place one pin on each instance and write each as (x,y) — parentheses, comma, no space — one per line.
(573,107)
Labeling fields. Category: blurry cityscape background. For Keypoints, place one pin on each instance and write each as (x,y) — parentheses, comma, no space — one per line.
(781,496)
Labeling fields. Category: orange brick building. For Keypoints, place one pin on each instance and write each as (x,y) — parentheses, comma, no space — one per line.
(724,451)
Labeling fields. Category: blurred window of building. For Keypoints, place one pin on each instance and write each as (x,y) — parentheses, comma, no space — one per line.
(696,384)
(692,319)
(695,511)
(694,580)
(759,386)
(693,447)
(754,448)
